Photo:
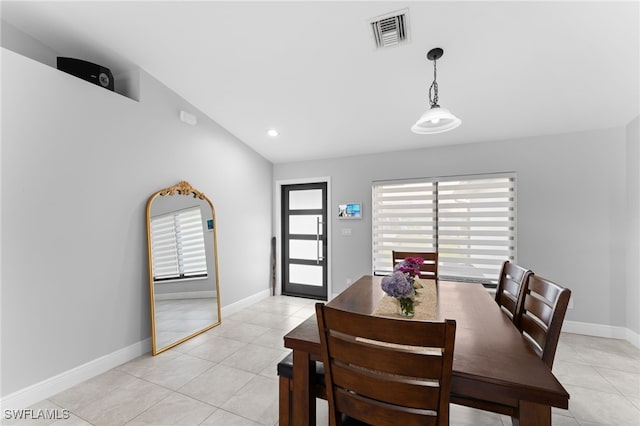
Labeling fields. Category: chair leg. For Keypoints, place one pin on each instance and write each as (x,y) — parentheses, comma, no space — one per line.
(285,401)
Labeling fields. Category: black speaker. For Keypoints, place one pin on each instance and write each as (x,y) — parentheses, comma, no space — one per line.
(93,73)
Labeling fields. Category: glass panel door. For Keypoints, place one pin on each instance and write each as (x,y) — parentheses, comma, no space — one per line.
(304,240)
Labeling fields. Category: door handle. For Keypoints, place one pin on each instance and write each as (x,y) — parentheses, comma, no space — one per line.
(318,257)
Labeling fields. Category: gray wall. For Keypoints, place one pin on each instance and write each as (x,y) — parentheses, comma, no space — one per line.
(633,227)
(78,165)
(17,41)
(571,208)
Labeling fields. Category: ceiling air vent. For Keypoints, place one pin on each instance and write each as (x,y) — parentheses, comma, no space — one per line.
(390,29)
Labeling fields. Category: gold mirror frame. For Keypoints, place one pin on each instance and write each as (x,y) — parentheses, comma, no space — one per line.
(182,189)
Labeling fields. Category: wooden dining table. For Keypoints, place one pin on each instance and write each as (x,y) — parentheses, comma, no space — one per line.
(494,368)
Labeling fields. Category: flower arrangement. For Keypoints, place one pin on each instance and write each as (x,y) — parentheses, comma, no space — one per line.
(410,266)
(398,285)
(402,284)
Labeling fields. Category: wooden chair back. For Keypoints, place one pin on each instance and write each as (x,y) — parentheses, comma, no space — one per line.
(511,288)
(429,267)
(385,371)
(542,315)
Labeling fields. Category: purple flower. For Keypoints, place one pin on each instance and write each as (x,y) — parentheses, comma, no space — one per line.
(410,266)
(397,285)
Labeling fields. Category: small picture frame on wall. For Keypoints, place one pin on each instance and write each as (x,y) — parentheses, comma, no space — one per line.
(350,211)
(210,224)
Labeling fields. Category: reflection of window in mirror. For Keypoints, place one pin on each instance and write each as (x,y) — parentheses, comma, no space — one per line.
(178,245)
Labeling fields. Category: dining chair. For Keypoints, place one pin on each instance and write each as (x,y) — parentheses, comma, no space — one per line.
(510,292)
(384,371)
(542,314)
(429,267)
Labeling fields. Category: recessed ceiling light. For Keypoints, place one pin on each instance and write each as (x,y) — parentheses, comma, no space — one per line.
(272,132)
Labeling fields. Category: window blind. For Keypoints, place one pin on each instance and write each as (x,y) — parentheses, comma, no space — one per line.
(403,218)
(177,239)
(470,221)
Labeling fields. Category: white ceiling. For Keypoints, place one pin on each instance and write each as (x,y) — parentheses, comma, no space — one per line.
(310,69)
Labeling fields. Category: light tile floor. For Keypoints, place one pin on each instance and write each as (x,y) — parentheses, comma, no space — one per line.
(227,376)
(176,319)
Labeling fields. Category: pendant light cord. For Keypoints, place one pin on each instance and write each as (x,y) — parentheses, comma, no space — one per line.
(433,100)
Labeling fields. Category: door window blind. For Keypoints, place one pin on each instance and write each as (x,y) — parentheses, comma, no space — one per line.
(177,239)
(470,221)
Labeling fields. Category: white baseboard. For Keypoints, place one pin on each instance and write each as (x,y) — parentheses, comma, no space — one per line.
(56,384)
(599,330)
(633,338)
(247,301)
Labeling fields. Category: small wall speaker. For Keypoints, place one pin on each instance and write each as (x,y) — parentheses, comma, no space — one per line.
(88,71)
(188,118)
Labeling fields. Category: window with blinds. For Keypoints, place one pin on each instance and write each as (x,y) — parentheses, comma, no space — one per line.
(177,240)
(470,221)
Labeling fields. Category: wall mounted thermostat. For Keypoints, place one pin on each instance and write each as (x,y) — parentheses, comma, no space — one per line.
(350,211)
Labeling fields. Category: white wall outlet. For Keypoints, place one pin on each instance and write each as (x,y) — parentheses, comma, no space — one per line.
(346,231)
(349,281)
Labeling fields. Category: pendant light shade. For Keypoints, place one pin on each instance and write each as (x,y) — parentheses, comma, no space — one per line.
(436,119)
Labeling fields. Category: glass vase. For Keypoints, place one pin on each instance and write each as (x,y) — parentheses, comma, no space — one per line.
(406,307)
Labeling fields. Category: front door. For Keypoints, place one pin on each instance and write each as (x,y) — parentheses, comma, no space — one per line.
(304,240)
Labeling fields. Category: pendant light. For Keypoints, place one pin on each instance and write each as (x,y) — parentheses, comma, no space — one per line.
(436,119)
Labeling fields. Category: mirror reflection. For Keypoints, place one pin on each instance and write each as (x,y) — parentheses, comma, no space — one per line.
(183,265)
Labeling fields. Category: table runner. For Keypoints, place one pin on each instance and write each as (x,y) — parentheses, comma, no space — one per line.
(425,304)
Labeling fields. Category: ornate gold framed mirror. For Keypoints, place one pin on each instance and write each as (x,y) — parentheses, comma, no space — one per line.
(184,287)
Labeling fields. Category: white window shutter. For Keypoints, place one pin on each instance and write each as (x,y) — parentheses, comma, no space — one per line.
(469,221)
(476,227)
(177,241)
(404,218)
